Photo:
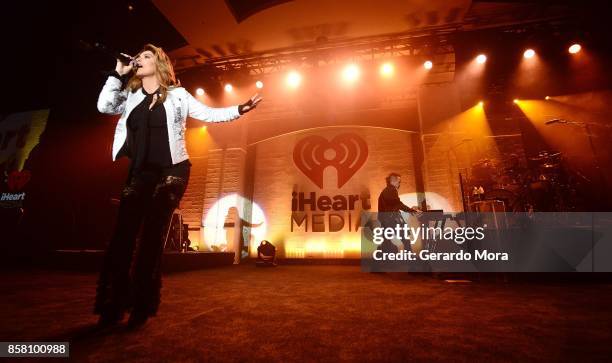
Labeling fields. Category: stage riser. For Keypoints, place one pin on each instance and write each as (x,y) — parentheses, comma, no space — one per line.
(172,262)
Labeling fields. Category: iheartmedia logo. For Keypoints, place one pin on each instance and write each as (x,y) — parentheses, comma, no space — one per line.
(345,152)
(12,196)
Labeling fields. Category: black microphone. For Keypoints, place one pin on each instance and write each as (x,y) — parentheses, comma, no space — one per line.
(102,48)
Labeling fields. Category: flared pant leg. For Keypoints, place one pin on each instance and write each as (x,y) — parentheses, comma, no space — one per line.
(113,290)
(147,272)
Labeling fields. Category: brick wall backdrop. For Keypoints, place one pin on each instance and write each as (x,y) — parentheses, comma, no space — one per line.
(191,204)
(217,153)
(276,177)
(252,159)
(438,105)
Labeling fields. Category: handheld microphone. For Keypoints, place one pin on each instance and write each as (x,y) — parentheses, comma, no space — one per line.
(117,55)
(109,52)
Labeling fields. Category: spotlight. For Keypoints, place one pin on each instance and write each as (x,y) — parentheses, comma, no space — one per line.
(481,103)
(387,69)
(428,64)
(200,91)
(294,79)
(228,87)
(481,59)
(350,73)
(547,98)
(259,84)
(529,53)
(574,48)
(516,100)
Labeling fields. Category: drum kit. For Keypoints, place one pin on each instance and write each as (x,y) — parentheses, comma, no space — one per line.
(544,184)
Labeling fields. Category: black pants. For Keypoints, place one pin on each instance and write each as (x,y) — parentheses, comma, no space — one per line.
(149,198)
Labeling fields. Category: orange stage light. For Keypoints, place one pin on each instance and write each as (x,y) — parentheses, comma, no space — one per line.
(387,69)
(574,48)
(294,79)
(351,73)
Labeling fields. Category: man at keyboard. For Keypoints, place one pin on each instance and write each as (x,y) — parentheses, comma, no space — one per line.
(389,207)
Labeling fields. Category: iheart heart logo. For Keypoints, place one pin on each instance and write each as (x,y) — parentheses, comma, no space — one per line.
(345,152)
(18,179)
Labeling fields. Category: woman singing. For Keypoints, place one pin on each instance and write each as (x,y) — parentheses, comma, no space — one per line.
(151,132)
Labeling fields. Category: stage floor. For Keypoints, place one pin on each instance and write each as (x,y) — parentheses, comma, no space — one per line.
(318,313)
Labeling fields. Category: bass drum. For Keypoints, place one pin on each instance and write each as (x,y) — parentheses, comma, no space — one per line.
(542,195)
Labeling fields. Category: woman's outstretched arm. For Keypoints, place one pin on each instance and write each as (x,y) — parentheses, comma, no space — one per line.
(200,111)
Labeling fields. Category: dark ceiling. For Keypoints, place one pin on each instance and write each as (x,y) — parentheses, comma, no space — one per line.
(45,67)
(242,9)
(42,41)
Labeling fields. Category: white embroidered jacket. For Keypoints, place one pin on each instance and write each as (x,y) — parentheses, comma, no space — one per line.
(179,104)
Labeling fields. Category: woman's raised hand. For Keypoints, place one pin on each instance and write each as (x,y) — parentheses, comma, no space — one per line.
(250,104)
(123,68)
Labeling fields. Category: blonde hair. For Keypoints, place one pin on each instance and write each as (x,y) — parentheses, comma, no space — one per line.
(163,70)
